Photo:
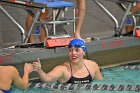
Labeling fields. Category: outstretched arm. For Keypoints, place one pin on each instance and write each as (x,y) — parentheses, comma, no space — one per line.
(19,82)
(53,75)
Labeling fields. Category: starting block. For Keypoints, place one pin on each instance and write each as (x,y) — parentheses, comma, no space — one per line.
(57,42)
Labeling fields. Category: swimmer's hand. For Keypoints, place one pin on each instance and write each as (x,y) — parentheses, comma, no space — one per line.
(28,67)
(37,66)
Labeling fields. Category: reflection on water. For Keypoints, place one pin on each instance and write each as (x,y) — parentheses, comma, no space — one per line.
(116,80)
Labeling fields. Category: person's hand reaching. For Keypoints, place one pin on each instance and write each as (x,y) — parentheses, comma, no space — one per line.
(37,65)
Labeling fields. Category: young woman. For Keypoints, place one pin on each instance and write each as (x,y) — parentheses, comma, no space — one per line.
(76,70)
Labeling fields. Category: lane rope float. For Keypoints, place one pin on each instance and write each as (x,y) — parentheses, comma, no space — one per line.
(89,86)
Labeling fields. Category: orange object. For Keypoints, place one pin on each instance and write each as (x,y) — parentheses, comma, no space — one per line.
(57,42)
(137,32)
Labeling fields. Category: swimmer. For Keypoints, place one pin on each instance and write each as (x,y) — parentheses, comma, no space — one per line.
(9,75)
(76,70)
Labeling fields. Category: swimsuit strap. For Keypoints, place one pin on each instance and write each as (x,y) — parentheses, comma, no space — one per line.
(70,70)
(87,68)
(84,65)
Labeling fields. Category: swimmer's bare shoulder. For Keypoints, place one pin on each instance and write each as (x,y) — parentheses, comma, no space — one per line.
(9,69)
(91,64)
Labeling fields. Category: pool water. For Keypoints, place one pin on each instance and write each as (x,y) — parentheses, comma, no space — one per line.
(121,79)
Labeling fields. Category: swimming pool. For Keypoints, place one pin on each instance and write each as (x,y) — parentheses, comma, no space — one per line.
(120,79)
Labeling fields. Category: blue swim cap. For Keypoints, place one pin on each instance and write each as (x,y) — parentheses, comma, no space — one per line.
(77,43)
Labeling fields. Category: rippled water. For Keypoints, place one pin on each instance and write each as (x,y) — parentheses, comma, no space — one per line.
(118,77)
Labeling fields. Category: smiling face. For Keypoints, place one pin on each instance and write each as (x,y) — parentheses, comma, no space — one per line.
(76,54)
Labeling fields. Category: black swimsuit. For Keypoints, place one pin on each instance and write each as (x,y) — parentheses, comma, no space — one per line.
(87,79)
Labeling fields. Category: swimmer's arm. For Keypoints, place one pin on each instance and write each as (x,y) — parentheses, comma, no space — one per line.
(22,83)
(98,75)
(53,75)
(18,82)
